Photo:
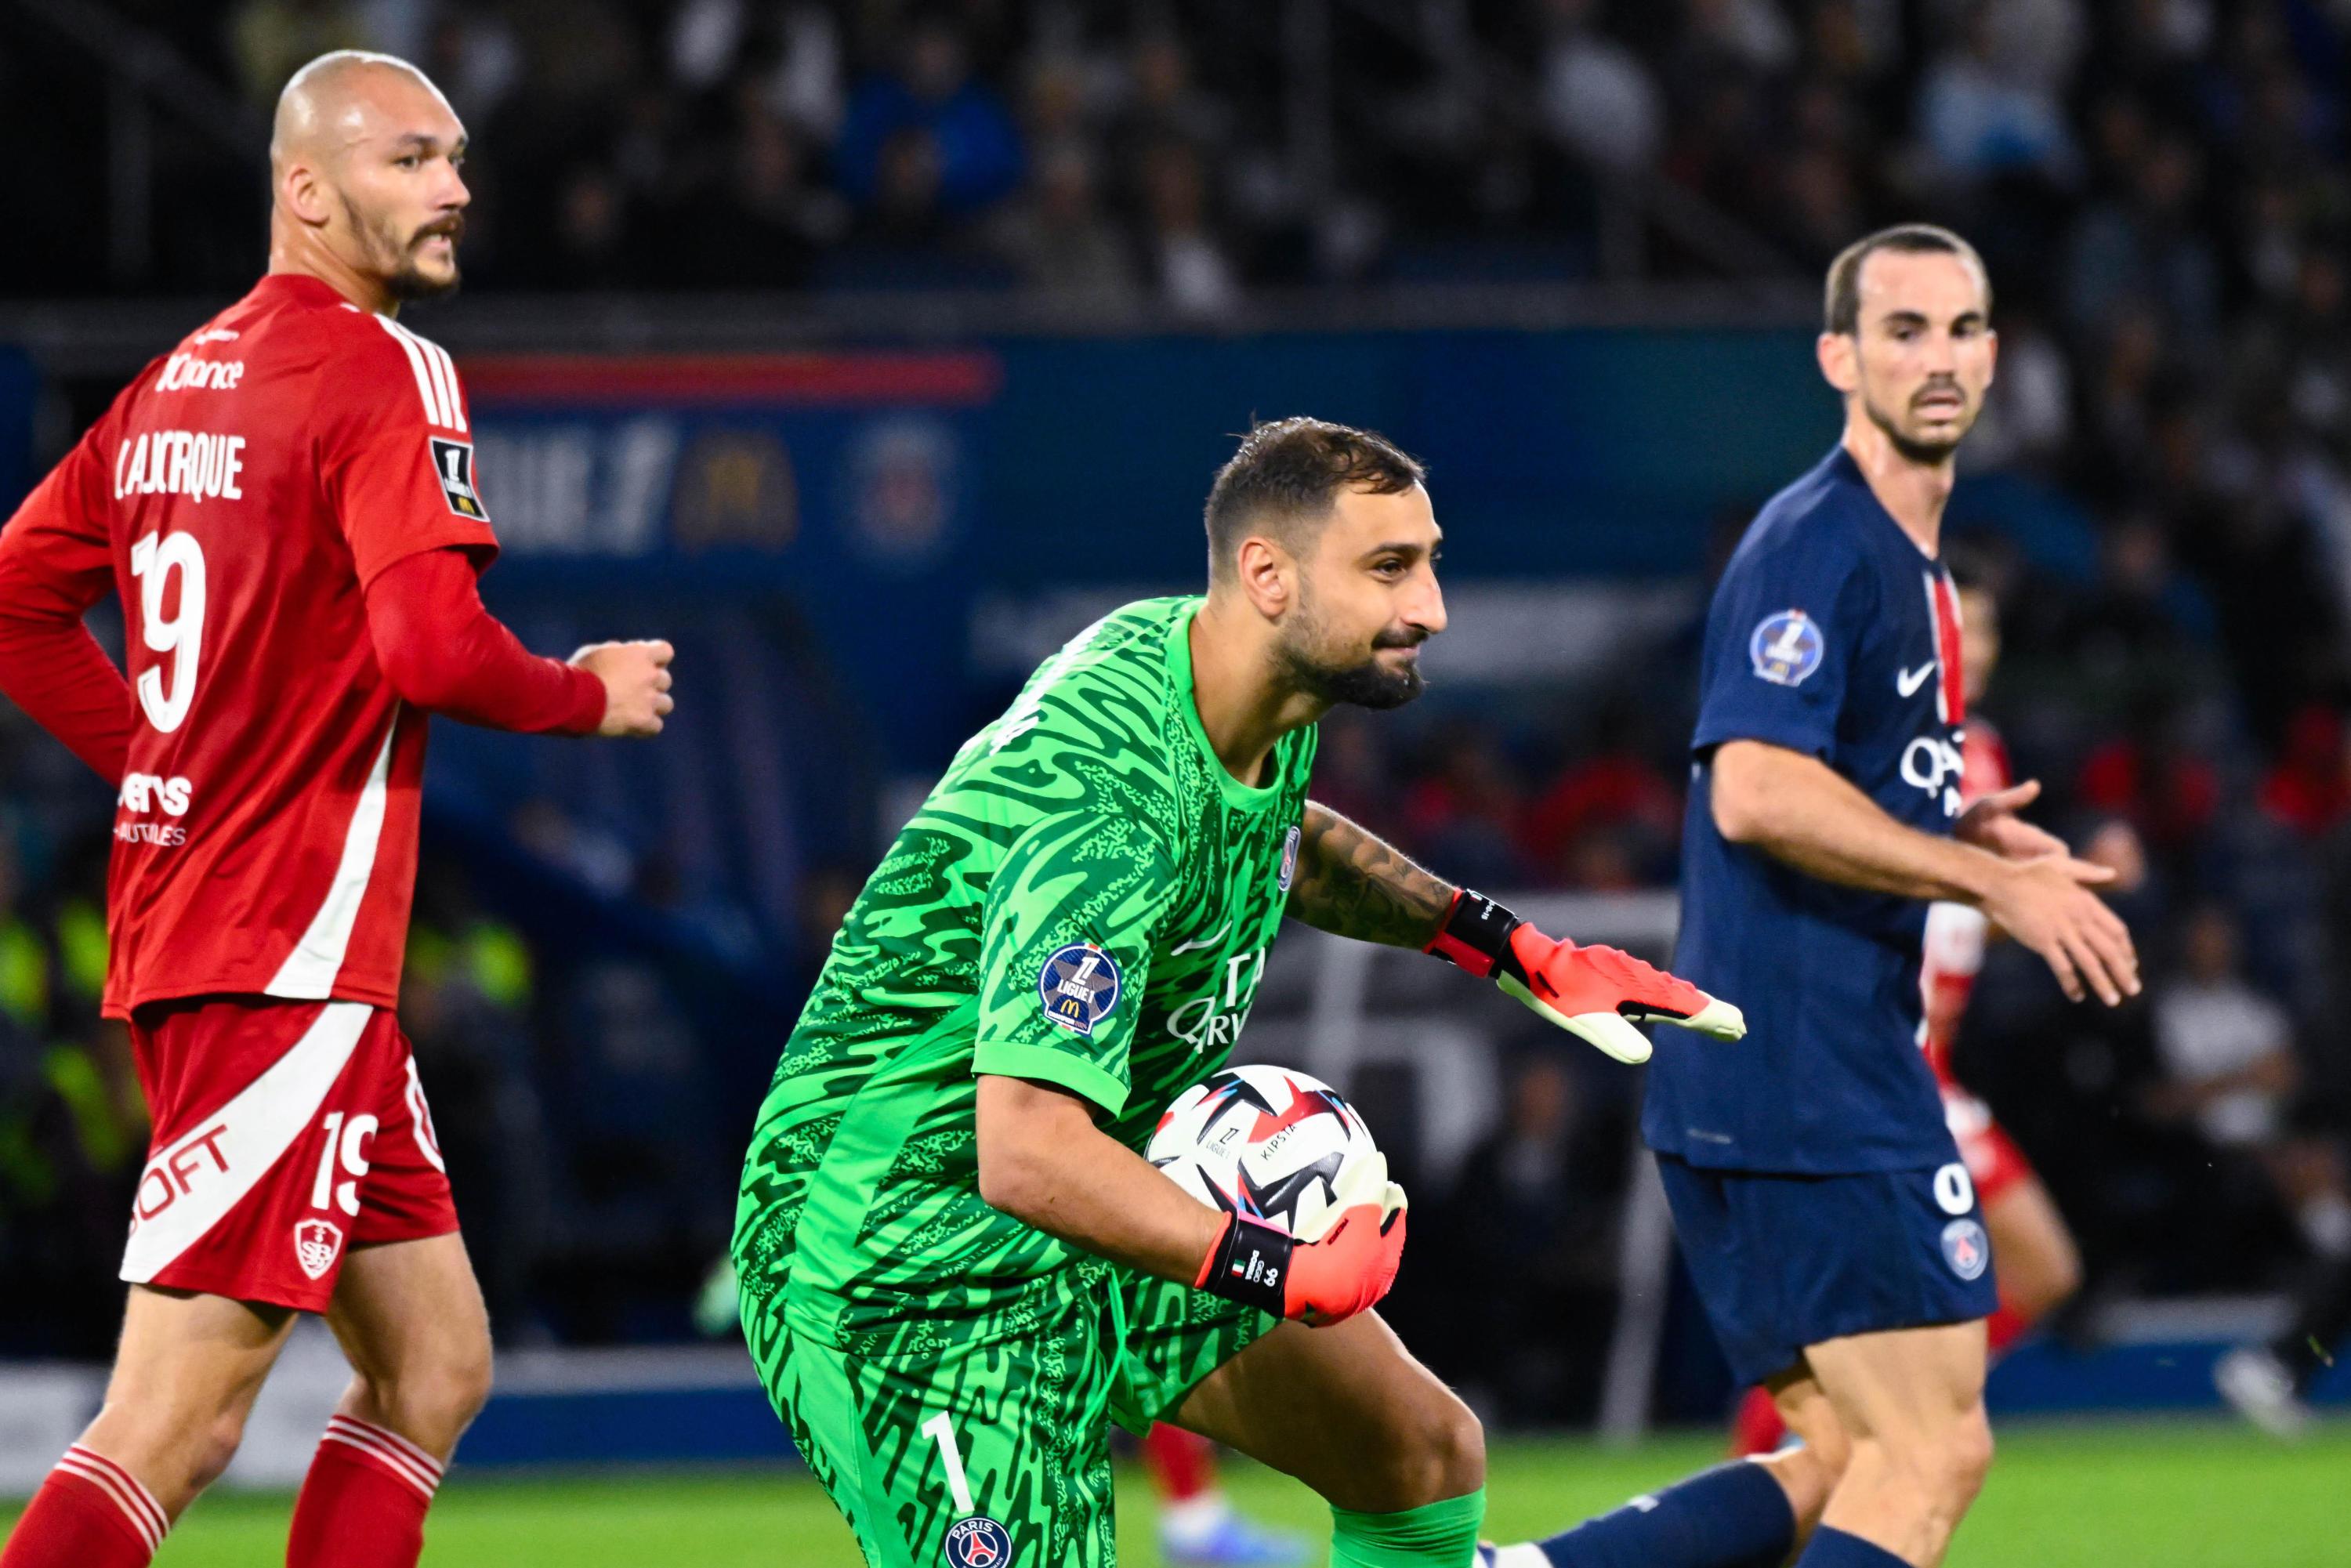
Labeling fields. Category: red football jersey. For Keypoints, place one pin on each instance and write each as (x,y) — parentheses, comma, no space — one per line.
(239,496)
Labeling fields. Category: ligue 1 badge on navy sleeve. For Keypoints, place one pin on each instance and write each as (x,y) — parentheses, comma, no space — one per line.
(1786,647)
(1078,985)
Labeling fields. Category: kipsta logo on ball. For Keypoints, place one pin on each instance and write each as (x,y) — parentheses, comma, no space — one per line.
(1078,985)
(978,1542)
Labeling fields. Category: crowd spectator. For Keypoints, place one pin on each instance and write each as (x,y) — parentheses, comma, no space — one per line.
(2232,1072)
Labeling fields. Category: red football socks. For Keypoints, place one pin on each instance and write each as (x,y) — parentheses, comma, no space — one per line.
(90,1513)
(1183,1463)
(363,1504)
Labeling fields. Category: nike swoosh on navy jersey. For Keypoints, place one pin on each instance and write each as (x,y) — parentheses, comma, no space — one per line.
(1908,682)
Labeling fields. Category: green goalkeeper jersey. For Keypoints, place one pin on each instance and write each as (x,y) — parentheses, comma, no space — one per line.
(1087,898)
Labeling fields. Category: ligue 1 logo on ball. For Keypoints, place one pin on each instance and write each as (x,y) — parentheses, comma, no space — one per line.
(978,1542)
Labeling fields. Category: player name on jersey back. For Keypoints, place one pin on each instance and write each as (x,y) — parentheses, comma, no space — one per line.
(196,464)
(241,494)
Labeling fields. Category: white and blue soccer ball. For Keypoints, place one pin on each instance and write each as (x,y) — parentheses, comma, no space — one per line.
(1274,1144)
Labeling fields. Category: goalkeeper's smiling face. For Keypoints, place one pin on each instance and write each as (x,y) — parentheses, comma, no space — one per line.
(1366,599)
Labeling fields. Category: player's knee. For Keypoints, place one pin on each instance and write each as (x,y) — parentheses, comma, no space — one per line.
(435,1402)
(209,1449)
(1968,1454)
(1944,1470)
(1444,1456)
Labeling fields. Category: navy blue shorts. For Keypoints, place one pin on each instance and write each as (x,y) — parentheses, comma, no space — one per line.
(1786,1262)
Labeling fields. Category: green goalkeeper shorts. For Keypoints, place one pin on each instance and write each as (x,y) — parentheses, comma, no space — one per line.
(992,1449)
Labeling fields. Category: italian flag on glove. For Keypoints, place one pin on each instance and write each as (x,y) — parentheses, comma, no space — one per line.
(1597,993)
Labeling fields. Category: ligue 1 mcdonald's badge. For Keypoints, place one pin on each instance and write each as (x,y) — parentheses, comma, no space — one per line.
(1078,985)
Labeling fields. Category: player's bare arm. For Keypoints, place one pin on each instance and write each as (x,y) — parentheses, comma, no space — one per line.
(1798,809)
(1044,1162)
(1350,882)
(1353,883)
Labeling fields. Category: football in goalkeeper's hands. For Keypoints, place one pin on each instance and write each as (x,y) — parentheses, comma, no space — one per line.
(1274,1144)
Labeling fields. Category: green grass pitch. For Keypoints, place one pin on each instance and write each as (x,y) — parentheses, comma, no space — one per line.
(2191,1494)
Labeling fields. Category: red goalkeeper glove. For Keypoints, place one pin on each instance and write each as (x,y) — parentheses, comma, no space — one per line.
(1318,1283)
(1597,993)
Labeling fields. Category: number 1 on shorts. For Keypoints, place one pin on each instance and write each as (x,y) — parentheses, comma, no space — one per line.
(940,1430)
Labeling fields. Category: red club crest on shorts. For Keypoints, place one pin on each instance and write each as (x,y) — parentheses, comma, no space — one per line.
(316,1244)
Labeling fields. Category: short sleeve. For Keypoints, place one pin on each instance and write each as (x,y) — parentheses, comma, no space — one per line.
(396,452)
(1779,642)
(1065,949)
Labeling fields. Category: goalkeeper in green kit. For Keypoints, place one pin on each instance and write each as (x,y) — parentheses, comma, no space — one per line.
(956,1267)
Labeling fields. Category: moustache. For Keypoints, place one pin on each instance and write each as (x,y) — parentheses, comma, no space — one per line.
(1401,637)
(452,227)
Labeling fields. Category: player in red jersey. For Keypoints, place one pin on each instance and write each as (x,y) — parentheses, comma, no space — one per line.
(2039,1266)
(287,508)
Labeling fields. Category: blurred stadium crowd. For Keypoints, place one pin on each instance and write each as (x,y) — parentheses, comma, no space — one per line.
(2162,190)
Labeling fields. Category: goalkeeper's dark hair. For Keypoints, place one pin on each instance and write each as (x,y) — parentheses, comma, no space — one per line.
(1841,298)
(1288,475)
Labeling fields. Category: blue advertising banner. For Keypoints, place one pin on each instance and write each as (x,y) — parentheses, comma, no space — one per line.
(846,484)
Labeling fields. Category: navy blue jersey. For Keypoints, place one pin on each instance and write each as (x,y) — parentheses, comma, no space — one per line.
(1832,635)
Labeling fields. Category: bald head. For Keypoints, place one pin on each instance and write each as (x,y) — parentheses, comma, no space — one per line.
(363,161)
(328,103)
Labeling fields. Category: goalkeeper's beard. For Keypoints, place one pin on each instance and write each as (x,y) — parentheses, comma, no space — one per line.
(1363,683)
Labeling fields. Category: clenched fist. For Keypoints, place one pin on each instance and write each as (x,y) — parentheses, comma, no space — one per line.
(636,683)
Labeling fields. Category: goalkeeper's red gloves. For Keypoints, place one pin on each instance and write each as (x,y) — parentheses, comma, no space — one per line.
(1319,1282)
(1597,993)
(1342,1260)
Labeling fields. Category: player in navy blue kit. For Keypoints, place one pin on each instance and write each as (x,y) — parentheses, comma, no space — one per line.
(1823,1207)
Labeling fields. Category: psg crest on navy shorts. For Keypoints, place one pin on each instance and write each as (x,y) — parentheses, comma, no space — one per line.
(1966,1247)
(1078,985)
(978,1542)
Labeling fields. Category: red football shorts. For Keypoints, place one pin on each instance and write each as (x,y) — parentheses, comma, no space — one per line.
(1994,1162)
(286,1134)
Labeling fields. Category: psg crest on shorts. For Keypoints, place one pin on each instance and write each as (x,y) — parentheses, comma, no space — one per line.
(1786,647)
(316,1244)
(1078,985)
(977,1542)
(1289,872)
(1966,1248)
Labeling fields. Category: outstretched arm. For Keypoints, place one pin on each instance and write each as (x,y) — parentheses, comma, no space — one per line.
(1353,883)
(1350,883)
(1797,809)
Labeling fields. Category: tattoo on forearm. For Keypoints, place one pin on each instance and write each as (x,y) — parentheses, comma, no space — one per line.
(1352,885)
